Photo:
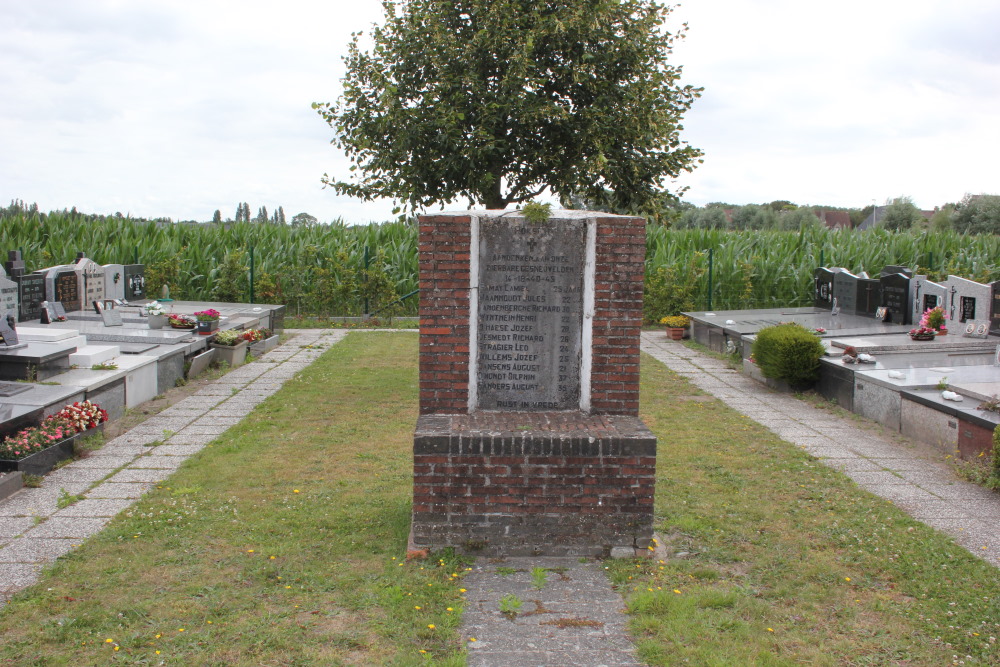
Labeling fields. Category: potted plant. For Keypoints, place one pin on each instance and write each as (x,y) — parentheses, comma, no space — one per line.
(260,340)
(156,314)
(37,449)
(208,320)
(230,347)
(178,321)
(933,318)
(676,325)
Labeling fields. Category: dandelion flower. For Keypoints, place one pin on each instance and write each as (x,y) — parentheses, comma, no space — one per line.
(430,626)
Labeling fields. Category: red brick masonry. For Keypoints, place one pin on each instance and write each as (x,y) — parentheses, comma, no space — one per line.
(526,483)
(444,314)
(531,483)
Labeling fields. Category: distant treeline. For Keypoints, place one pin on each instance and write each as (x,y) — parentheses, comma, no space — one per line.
(333,269)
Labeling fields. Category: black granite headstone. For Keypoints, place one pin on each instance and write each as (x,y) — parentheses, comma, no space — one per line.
(823,288)
(896,298)
(845,291)
(869,296)
(30,294)
(67,290)
(530,315)
(135,281)
(14,264)
(890,269)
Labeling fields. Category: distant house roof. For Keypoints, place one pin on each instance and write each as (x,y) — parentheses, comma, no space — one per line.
(835,219)
(873,218)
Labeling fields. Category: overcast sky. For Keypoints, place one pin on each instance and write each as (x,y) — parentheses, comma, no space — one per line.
(173,108)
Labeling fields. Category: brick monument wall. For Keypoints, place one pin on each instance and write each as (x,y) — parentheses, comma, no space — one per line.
(577,481)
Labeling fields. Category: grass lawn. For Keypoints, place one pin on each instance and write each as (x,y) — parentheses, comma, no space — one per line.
(283,544)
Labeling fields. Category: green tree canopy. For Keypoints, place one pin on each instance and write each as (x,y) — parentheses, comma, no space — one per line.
(978,214)
(495,100)
(901,215)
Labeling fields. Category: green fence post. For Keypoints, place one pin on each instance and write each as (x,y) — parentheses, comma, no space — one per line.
(930,261)
(135,254)
(367,260)
(251,275)
(821,257)
(711,255)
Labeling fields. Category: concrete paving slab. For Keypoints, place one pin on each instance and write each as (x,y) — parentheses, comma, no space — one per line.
(118,491)
(24,550)
(96,507)
(106,463)
(199,402)
(879,478)
(73,474)
(150,475)
(17,576)
(11,526)
(174,411)
(179,450)
(159,462)
(62,527)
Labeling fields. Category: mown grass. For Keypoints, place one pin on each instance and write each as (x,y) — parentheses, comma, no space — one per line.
(283,543)
(785,561)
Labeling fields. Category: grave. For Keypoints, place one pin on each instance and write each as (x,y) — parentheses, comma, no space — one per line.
(926,294)
(529,441)
(8,331)
(30,295)
(65,285)
(8,294)
(845,291)
(823,287)
(114,281)
(92,277)
(135,282)
(896,297)
(967,300)
(869,296)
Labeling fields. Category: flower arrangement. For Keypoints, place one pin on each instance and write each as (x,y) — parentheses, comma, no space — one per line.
(229,337)
(819,331)
(923,333)
(153,308)
(208,315)
(254,335)
(675,321)
(69,421)
(181,321)
(933,318)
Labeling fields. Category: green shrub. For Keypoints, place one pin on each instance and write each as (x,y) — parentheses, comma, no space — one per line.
(788,352)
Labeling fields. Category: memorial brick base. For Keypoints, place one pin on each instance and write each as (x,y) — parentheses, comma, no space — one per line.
(533,483)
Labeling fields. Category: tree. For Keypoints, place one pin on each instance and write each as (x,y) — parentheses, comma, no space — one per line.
(304,219)
(217,217)
(978,214)
(497,100)
(261,215)
(900,215)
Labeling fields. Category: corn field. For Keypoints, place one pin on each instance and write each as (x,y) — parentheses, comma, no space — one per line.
(320,270)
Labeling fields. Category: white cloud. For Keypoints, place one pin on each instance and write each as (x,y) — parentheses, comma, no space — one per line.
(176,109)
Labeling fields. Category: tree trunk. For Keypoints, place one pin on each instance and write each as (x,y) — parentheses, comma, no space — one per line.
(494,199)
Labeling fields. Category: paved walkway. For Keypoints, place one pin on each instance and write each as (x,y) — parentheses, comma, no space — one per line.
(925,488)
(34,531)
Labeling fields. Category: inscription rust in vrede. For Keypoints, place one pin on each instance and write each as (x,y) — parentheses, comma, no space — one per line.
(530,314)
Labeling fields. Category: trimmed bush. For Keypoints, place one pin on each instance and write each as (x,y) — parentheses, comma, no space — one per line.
(788,352)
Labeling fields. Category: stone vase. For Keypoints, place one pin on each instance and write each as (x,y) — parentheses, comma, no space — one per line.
(157,321)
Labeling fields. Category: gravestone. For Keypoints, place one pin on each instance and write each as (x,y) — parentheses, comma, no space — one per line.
(135,282)
(927,294)
(966,299)
(8,331)
(994,313)
(8,293)
(845,291)
(890,269)
(66,290)
(896,298)
(529,350)
(92,276)
(58,310)
(14,264)
(823,287)
(112,317)
(114,281)
(30,294)
(869,296)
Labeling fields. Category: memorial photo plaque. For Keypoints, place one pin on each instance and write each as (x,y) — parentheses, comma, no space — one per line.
(135,281)
(968,309)
(823,288)
(530,314)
